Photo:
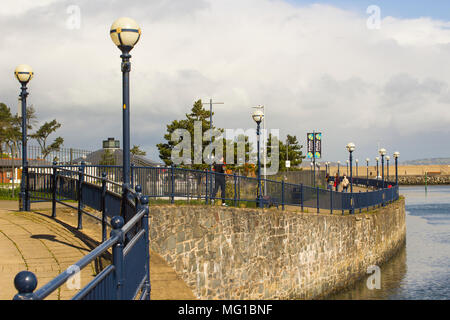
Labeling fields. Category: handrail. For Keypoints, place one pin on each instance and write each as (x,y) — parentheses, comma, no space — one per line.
(26,281)
(59,280)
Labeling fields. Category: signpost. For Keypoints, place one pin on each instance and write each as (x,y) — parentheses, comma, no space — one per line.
(314,149)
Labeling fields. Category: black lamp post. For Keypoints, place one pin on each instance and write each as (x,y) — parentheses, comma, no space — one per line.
(24,73)
(347,167)
(125,33)
(396,155)
(387,168)
(367,174)
(377,159)
(258,116)
(382,153)
(351,147)
(356,161)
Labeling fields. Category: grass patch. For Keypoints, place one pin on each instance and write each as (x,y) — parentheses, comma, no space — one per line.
(7,194)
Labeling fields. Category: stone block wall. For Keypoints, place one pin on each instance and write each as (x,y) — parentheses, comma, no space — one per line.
(235,253)
(420,180)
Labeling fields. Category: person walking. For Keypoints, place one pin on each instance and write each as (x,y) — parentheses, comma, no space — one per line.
(336,182)
(330,182)
(345,184)
(220,169)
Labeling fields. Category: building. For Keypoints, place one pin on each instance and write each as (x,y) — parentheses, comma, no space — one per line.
(8,164)
(111,154)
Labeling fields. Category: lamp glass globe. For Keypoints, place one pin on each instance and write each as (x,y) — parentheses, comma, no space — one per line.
(23,73)
(125,32)
(258,116)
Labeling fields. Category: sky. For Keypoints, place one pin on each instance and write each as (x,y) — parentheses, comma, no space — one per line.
(375,73)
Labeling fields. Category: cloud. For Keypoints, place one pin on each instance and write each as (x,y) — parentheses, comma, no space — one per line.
(314,67)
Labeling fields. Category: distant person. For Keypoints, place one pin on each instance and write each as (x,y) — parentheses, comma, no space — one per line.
(219,169)
(330,182)
(336,182)
(345,184)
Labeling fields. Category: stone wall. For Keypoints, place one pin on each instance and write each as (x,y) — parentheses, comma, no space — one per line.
(420,180)
(235,253)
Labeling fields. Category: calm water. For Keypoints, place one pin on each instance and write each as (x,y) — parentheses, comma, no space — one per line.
(421,270)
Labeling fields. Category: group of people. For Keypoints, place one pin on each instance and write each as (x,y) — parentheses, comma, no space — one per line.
(334,183)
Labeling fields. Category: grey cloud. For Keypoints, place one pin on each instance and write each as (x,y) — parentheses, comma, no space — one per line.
(314,67)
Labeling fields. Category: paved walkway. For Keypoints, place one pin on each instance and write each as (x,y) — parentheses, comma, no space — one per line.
(35,242)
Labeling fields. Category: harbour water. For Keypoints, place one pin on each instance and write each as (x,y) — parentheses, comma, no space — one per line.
(421,269)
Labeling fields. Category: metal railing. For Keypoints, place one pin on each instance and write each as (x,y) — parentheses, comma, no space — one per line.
(173,184)
(127,277)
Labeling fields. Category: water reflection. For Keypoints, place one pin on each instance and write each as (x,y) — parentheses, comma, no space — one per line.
(392,275)
(420,270)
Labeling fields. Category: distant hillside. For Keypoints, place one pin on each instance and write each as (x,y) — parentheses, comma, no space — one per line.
(430,161)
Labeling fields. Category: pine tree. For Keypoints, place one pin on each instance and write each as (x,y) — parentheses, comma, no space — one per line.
(198,113)
(293,148)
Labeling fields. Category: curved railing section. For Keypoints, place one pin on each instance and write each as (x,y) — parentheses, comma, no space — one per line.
(173,184)
(123,209)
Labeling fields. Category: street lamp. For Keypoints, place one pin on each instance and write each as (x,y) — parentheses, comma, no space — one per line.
(263,108)
(24,73)
(258,116)
(351,147)
(377,166)
(382,153)
(367,175)
(125,33)
(387,167)
(356,161)
(396,155)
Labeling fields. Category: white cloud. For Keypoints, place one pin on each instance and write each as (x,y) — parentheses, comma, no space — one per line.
(314,67)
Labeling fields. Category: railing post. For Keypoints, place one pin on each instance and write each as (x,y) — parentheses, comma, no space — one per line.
(132,175)
(25,283)
(368,200)
(27,187)
(80,198)
(206,188)
(317,193)
(331,201)
(54,186)
(142,203)
(235,189)
(103,206)
(117,223)
(360,201)
(301,196)
(282,194)
(172,191)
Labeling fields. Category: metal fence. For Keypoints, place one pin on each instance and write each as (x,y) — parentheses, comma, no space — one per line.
(127,277)
(305,177)
(62,155)
(171,184)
